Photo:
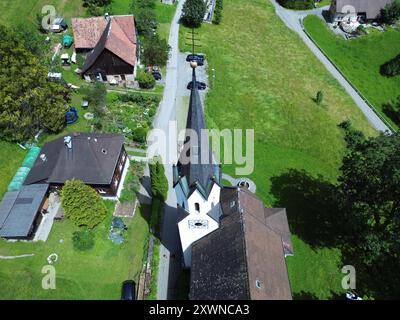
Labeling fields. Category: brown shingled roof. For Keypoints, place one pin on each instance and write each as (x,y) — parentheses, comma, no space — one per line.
(247,250)
(120,38)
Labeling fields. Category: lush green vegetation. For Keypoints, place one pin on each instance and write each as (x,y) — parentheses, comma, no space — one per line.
(392,67)
(83,239)
(93,274)
(252,90)
(361,59)
(159,182)
(193,12)
(11,157)
(82,204)
(297,4)
(131,114)
(132,182)
(30,102)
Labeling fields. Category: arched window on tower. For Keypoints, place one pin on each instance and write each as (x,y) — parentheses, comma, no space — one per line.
(197,207)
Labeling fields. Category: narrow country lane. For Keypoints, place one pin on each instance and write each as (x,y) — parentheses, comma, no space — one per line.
(292,20)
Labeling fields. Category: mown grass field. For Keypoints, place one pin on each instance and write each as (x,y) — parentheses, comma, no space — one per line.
(94,274)
(266,80)
(360,60)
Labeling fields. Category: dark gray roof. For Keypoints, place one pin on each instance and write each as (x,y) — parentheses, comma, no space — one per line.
(227,263)
(18,210)
(92,159)
(98,49)
(372,8)
(200,167)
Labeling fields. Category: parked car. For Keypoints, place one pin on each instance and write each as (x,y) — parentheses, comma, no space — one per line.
(157,75)
(155,71)
(196,57)
(200,85)
(128,290)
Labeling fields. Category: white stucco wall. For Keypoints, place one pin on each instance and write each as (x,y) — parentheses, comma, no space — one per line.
(187,231)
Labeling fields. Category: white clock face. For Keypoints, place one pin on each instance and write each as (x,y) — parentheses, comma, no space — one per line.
(198,224)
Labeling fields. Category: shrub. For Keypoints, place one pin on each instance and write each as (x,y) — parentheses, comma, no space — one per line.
(218,12)
(146,80)
(83,240)
(392,110)
(391,12)
(320,97)
(82,204)
(391,68)
(297,4)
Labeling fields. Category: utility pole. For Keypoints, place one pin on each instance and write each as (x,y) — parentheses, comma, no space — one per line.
(192,38)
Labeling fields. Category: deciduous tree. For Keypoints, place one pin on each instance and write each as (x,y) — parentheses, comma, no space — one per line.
(193,13)
(28,100)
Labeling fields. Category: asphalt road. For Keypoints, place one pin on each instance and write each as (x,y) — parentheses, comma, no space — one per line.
(292,20)
(170,265)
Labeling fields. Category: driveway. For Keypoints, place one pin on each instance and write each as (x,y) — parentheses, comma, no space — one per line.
(292,20)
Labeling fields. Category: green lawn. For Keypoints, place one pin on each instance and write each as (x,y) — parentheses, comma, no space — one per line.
(266,80)
(94,274)
(360,59)
(11,157)
(17,11)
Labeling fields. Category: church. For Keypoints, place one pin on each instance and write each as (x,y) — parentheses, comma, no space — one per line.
(234,247)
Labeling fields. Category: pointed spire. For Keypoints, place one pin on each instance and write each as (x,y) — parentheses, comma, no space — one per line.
(200,169)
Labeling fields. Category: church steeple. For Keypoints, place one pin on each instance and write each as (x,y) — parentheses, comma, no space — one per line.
(196,179)
(196,160)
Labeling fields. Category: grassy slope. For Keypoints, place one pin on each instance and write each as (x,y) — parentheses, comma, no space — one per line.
(266,79)
(77,272)
(360,59)
(11,157)
(14,12)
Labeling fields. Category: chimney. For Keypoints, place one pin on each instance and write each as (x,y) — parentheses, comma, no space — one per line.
(68,142)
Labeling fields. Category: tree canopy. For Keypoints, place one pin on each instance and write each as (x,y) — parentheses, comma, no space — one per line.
(28,100)
(145,16)
(391,12)
(369,195)
(155,51)
(193,13)
(82,204)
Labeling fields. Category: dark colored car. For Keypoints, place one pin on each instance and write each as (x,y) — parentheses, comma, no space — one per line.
(157,75)
(128,290)
(196,57)
(200,85)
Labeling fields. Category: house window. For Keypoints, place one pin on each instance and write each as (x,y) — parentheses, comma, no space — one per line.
(232,203)
(197,207)
(258,284)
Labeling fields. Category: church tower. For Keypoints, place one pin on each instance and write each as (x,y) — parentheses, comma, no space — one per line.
(196,179)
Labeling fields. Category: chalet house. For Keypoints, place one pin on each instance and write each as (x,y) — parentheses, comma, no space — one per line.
(110,45)
(368,9)
(98,159)
(234,247)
